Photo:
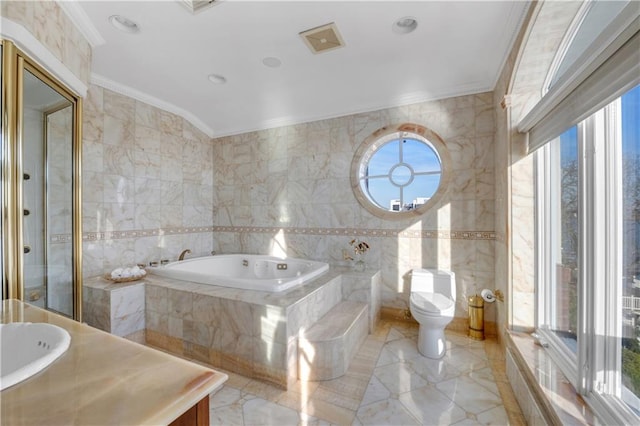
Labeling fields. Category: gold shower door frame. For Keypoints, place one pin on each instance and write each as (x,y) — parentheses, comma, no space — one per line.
(14,64)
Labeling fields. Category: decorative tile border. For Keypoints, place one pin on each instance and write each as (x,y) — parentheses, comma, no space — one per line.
(140,233)
(356,232)
(349,232)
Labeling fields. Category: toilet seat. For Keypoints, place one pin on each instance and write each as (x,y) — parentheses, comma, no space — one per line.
(431,303)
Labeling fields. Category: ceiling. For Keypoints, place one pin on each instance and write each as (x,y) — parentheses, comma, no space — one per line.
(458,48)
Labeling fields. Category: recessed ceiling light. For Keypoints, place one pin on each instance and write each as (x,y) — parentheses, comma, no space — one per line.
(271,62)
(124,24)
(217,79)
(404,25)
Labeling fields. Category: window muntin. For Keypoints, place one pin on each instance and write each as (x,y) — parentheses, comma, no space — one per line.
(400,171)
(604,239)
(404,172)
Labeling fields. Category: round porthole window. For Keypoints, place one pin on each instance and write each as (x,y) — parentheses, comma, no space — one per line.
(400,171)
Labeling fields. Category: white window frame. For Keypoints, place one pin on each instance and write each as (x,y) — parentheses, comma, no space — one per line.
(596,370)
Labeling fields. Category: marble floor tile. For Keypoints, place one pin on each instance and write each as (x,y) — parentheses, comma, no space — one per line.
(229,415)
(332,413)
(394,334)
(485,378)
(405,348)
(388,383)
(225,397)
(399,377)
(430,406)
(345,401)
(468,422)
(463,360)
(469,395)
(375,392)
(387,412)
(260,412)
(386,357)
(433,370)
(495,416)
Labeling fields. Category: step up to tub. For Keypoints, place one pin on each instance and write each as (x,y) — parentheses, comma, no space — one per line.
(326,349)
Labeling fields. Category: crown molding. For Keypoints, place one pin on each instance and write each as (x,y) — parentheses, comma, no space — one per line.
(408,99)
(138,95)
(26,42)
(519,20)
(81,20)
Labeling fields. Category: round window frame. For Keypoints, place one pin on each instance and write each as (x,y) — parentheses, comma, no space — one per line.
(377,139)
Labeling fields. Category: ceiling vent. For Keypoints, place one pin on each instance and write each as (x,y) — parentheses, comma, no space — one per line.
(322,39)
(196,6)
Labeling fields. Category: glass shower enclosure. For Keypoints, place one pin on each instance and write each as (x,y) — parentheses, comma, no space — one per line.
(41,254)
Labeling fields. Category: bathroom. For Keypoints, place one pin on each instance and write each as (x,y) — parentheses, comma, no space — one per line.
(154,184)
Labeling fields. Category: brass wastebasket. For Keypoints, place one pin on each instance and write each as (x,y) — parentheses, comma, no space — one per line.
(476,317)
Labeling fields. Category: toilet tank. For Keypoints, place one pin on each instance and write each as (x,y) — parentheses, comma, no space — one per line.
(434,281)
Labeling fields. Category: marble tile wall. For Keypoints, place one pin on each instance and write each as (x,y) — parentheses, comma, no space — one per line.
(295,181)
(502,104)
(147,184)
(518,89)
(51,26)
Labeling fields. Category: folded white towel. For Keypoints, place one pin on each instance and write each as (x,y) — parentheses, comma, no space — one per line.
(134,271)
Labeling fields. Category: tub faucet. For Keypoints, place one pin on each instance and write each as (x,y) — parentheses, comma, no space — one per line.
(184,252)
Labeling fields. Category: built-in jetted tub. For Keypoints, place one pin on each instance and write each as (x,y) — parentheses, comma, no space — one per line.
(244,271)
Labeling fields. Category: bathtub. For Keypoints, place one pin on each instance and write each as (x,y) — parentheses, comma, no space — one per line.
(244,271)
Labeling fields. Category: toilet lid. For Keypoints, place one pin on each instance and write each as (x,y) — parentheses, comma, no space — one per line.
(434,303)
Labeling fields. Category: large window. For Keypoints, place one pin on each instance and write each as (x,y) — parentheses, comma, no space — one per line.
(630,279)
(561,311)
(589,256)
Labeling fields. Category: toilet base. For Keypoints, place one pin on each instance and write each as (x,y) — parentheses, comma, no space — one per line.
(431,342)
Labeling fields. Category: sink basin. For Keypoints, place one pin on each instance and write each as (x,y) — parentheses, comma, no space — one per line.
(27,348)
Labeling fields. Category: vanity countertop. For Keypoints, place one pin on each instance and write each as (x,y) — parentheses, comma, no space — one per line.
(102,379)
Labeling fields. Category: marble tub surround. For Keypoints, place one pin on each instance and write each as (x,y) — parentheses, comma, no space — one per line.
(102,379)
(117,308)
(249,332)
(386,383)
(325,349)
(364,287)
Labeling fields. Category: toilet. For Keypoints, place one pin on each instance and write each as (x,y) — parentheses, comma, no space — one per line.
(432,304)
